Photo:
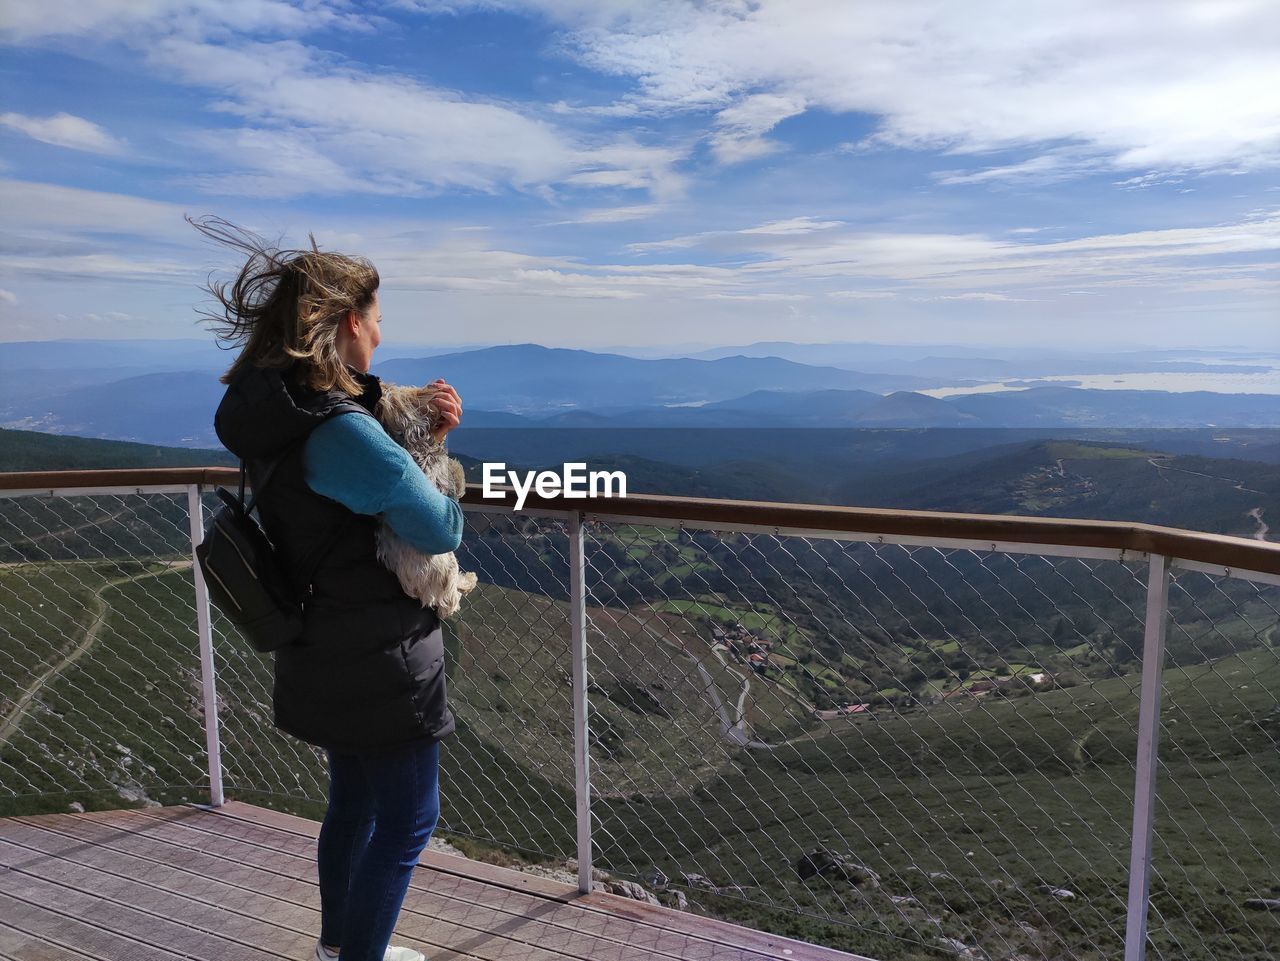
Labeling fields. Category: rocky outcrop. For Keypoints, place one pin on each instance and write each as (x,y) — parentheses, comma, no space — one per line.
(841,867)
(629,889)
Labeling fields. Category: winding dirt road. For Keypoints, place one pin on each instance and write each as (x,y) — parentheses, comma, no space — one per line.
(1261,533)
(1263,529)
(101,611)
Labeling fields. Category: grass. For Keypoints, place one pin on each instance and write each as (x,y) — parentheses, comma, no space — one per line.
(999,796)
(970,807)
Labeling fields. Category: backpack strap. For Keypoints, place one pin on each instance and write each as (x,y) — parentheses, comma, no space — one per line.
(266,476)
(341,408)
(346,406)
(323,553)
(339,529)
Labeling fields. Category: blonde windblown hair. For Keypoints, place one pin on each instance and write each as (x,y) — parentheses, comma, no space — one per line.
(286,306)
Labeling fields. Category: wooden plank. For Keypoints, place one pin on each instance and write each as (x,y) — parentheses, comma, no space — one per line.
(485,905)
(523,923)
(184,830)
(37,931)
(177,938)
(207,876)
(247,936)
(694,925)
(691,925)
(441,922)
(243,913)
(20,946)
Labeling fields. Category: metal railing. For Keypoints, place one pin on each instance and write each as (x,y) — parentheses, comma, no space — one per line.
(900,733)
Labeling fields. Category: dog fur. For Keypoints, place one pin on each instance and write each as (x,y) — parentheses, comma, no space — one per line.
(434,579)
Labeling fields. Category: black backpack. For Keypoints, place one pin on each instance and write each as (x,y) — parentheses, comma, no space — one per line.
(244,576)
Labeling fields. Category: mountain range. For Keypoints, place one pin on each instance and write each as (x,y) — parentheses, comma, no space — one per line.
(165,392)
(988,363)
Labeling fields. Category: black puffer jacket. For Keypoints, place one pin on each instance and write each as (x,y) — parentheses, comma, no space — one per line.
(368,673)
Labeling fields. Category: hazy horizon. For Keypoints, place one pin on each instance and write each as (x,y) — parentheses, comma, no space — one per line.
(699,346)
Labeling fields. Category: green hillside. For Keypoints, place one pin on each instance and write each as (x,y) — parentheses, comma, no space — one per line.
(26,450)
(962,816)
(1096,480)
(1087,480)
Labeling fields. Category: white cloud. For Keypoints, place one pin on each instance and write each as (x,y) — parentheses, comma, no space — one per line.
(279,163)
(1148,84)
(30,206)
(315,126)
(560,284)
(626,163)
(27,21)
(53,231)
(740,129)
(793,227)
(764,297)
(611,215)
(983,295)
(454,270)
(64,130)
(801,258)
(349,127)
(104,267)
(8,297)
(861,294)
(1046,168)
(975,262)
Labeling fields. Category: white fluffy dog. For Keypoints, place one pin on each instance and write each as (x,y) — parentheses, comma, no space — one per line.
(434,579)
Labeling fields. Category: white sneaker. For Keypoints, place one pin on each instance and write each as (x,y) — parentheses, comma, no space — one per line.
(403,954)
(392,954)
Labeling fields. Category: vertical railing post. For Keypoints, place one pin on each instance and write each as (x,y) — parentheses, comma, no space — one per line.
(1144,792)
(204,630)
(581,733)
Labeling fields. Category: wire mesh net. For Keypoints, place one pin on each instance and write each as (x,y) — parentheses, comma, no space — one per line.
(902,751)
(1215,882)
(101,703)
(930,747)
(507,772)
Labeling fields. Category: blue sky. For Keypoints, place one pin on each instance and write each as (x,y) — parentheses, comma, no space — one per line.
(655,172)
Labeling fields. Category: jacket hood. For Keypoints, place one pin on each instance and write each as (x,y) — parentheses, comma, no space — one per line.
(263,411)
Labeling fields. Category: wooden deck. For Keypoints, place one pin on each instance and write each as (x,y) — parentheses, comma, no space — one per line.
(239,884)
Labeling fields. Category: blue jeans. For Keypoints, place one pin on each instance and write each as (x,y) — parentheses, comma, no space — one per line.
(382,810)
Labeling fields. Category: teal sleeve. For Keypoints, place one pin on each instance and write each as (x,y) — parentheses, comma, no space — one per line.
(350,459)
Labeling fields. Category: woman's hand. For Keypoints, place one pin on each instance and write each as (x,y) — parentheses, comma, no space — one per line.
(449,407)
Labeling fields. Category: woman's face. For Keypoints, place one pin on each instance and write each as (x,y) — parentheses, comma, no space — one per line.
(368,335)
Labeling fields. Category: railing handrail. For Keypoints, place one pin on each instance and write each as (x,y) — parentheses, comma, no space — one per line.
(58,480)
(1233,553)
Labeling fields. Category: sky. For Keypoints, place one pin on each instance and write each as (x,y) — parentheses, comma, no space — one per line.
(585,173)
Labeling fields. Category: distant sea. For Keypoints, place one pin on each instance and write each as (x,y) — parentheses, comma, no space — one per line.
(1267,382)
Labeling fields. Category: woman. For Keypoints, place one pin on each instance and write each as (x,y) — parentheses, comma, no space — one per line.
(366,680)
